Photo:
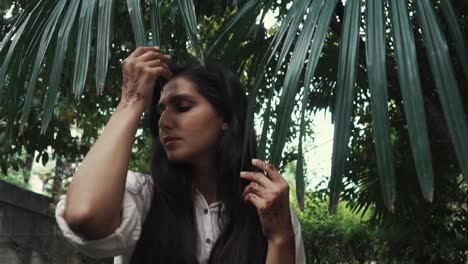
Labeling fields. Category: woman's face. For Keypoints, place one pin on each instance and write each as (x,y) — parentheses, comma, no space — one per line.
(189,126)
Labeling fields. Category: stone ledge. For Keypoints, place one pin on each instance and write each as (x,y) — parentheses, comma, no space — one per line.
(19,197)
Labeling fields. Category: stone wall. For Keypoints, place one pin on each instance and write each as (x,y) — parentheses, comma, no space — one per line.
(28,230)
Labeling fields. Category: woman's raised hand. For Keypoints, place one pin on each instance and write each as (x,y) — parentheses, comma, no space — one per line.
(269,193)
(140,70)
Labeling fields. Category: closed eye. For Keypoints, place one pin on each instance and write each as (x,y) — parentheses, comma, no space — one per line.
(183,108)
(179,103)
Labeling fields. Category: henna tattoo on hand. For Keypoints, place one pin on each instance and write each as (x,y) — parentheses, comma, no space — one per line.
(134,95)
(125,80)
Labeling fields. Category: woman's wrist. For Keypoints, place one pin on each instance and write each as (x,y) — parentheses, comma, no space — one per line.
(129,114)
(284,241)
(137,106)
(281,249)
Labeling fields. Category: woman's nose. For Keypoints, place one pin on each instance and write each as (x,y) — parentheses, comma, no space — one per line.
(164,120)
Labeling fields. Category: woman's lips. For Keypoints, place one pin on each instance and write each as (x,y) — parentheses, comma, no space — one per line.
(170,141)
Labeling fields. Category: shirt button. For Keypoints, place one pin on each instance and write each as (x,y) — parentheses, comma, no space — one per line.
(208,241)
(206,211)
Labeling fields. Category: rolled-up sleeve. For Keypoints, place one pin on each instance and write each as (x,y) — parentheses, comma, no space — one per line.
(300,251)
(135,206)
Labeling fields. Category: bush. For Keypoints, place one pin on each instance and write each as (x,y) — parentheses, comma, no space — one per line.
(341,238)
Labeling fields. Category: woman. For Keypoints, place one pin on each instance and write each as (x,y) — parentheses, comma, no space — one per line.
(198,205)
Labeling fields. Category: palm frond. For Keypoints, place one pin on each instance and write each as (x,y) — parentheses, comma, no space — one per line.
(59,59)
(454,30)
(103,42)
(240,16)
(7,60)
(377,75)
(344,97)
(300,185)
(14,28)
(447,86)
(410,85)
(136,17)
(292,24)
(259,77)
(291,81)
(38,62)
(13,94)
(156,22)
(83,46)
(45,29)
(312,61)
(187,10)
(266,125)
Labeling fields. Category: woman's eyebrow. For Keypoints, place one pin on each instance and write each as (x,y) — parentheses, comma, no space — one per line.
(174,99)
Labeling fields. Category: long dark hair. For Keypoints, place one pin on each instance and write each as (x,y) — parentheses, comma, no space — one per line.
(169,230)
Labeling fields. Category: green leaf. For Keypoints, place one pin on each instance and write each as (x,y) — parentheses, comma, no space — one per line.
(14,164)
(240,16)
(136,17)
(36,26)
(300,185)
(32,16)
(300,189)
(13,92)
(4,168)
(6,62)
(291,79)
(312,61)
(187,11)
(297,9)
(456,33)
(410,85)
(59,59)
(344,97)
(43,45)
(376,72)
(446,83)
(83,46)
(285,50)
(22,17)
(274,45)
(21,163)
(31,40)
(289,25)
(266,125)
(156,22)
(103,42)
(318,41)
(292,22)
(313,14)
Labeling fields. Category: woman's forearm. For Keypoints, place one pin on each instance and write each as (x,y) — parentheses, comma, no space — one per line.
(281,251)
(94,197)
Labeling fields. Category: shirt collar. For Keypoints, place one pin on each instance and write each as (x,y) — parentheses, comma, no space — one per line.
(199,197)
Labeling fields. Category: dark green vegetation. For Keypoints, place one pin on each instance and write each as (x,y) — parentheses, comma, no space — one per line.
(397,92)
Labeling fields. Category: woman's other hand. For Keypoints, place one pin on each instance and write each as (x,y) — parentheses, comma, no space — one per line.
(140,70)
(269,193)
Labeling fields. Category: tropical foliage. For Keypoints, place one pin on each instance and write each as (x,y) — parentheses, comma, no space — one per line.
(52,49)
(385,78)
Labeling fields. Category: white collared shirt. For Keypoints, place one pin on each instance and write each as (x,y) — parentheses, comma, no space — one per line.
(136,204)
